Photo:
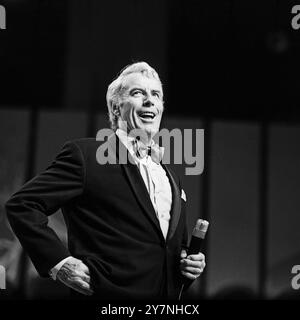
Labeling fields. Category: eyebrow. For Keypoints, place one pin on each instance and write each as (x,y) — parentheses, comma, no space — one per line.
(157,91)
(140,88)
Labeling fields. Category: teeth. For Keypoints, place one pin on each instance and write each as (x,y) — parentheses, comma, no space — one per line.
(147,114)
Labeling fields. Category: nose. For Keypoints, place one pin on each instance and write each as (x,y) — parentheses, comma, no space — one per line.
(148,101)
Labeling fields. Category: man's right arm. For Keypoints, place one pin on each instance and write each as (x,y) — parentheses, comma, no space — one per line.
(29,208)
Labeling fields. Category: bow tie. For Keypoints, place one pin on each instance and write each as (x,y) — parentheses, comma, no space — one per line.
(154,151)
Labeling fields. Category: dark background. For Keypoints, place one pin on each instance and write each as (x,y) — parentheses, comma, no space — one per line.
(230,67)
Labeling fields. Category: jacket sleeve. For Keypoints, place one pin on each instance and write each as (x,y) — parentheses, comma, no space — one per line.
(29,208)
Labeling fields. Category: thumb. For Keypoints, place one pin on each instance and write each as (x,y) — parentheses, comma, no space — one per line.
(183,254)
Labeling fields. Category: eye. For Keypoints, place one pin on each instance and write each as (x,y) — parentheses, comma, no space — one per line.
(137,92)
(156,94)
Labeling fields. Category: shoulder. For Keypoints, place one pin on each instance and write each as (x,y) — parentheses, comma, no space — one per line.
(84,145)
(93,141)
(87,149)
(77,149)
(83,142)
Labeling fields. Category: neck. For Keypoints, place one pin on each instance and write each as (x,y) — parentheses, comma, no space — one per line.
(146,138)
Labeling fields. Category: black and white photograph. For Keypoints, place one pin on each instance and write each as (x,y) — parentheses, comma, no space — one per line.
(149,154)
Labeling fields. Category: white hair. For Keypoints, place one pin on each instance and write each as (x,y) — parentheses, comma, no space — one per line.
(114,90)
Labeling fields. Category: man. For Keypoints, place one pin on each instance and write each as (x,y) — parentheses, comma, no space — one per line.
(126,221)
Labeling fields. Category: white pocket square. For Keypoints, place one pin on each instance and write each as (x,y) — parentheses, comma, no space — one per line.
(183,196)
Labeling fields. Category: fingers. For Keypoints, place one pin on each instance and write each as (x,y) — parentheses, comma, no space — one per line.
(190,263)
(83,271)
(85,268)
(86,278)
(196,257)
(192,266)
(75,275)
(190,275)
(196,271)
(81,286)
(77,284)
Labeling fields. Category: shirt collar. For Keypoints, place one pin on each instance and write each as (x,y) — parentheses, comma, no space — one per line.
(128,140)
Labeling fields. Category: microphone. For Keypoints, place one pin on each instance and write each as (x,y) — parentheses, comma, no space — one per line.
(198,236)
(196,243)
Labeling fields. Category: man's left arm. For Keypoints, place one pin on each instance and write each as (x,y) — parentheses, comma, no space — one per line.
(193,265)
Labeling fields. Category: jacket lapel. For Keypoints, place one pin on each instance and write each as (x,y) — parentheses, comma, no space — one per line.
(135,179)
(176,204)
(138,187)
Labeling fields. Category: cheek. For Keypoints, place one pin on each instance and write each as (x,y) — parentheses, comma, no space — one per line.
(129,116)
(126,110)
(129,108)
(161,109)
(160,115)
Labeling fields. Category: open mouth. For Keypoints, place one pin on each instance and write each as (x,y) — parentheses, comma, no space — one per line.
(148,115)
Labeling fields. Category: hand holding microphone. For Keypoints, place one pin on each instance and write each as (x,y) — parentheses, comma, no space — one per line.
(191,268)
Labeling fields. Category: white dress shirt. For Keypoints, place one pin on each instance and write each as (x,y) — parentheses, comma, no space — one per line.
(157,184)
(156,181)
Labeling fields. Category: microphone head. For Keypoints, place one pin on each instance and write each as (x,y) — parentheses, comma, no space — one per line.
(200,228)
(202,225)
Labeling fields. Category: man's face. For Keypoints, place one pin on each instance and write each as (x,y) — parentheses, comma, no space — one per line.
(141,104)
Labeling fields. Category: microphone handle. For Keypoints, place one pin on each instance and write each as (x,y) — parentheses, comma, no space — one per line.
(195,245)
(194,248)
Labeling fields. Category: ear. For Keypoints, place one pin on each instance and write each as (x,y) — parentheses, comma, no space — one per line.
(116,109)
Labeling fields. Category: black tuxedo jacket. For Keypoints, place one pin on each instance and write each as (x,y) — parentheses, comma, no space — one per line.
(112,226)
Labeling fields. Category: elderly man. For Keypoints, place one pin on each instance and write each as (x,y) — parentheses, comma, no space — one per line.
(126,221)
